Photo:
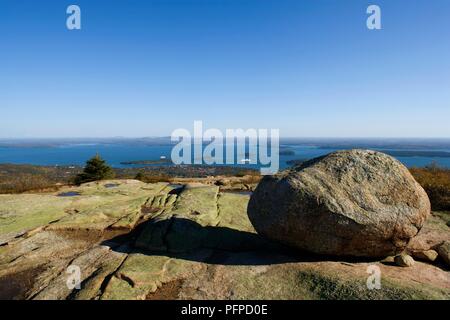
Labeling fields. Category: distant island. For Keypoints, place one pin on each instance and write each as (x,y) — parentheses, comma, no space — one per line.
(286,152)
(417,153)
(147,162)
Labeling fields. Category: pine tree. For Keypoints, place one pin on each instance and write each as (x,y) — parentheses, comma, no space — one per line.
(96,169)
(140,176)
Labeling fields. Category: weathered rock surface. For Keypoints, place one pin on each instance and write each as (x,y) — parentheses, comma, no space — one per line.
(358,202)
(209,250)
(202,218)
(404,260)
(444,252)
(433,233)
(428,255)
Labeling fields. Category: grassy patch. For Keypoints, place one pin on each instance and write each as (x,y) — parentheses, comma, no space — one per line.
(23,178)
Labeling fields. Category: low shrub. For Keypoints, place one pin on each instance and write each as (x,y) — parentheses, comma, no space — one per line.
(436,182)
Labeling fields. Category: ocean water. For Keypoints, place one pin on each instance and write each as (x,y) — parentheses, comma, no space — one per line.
(75,154)
(409,161)
(115,153)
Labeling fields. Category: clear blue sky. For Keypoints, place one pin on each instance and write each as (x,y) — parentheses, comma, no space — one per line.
(144,68)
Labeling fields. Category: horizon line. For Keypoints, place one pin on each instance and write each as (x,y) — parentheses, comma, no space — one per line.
(168,137)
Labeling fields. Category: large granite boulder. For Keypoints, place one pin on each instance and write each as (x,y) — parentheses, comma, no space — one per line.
(352,203)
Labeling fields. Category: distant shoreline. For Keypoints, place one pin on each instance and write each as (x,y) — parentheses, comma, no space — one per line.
(147,162)
(322,143)
(150,152)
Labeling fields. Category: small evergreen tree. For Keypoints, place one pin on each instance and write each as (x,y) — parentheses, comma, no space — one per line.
(95,169)
(140,176)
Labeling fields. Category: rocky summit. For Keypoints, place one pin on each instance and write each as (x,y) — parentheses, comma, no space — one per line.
(133,240)
(349,203)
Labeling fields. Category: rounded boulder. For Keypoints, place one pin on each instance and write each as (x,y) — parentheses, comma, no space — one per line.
(348,203)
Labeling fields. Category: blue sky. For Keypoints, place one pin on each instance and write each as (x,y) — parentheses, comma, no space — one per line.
(144,68)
